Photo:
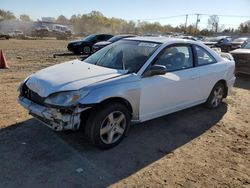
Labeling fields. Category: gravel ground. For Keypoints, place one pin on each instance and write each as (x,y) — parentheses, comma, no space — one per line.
(195,147)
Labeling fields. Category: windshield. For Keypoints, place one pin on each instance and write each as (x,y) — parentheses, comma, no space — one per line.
(115,38)
(246,46)
(88,38)
(124,55)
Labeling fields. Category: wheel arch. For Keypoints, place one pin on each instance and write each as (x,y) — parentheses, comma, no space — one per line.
(224,82)
(85,114)
(121,100)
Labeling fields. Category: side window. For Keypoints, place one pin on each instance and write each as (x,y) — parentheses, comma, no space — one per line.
(107,37)
(203,57)
(176,58)
(101,37)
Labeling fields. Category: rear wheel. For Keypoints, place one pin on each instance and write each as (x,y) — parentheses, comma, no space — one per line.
(228,48)
(107,125)
(216,96)
(86,50)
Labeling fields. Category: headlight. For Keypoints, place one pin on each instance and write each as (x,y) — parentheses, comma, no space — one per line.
(67,98)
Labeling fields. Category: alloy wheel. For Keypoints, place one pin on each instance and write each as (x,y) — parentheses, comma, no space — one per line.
(113,127)
(218,95)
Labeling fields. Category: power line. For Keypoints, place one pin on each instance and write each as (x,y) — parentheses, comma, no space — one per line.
(225,15)
(160,18)
(185,15)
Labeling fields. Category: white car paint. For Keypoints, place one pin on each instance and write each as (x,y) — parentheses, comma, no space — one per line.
(67,76)
(166,93)
(149,97)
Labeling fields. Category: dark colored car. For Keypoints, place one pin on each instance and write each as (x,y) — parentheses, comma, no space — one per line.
(237,43)
(221,42)
(4,36)
(100,45)
(85,45)
(242,58)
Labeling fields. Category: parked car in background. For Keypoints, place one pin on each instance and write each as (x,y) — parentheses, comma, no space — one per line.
(4,36)
(132,80)
(219,42)
(16,34)
(42,31)
(237,43)
(242,58)
(61,32)
(186,37)
(85,45)
(99,45)
(200,37)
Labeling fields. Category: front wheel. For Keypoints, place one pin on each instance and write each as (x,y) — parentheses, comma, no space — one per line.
(107,125)
(216,96)
(86,50)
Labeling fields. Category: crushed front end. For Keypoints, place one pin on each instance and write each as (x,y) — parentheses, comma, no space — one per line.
(54,117)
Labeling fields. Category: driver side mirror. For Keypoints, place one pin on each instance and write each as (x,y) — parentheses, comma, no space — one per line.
(155,70)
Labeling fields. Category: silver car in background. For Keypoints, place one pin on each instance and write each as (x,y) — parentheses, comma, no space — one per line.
(132,80)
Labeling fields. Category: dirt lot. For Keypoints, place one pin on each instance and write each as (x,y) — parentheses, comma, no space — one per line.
(196,147)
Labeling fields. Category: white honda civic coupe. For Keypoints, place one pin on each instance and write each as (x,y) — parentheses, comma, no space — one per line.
(132,80)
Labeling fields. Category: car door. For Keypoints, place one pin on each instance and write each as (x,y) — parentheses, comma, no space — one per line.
(177,89)
(210,70)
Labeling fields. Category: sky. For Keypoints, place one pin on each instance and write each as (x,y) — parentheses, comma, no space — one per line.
(163,11)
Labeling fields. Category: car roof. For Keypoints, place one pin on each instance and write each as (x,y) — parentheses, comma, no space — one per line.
(97,34)
(162,40)
(124,35)
(222,37)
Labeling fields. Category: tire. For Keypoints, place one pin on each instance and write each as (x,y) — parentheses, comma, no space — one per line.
(215,98)
(86,50)
(107,125)
(228,49)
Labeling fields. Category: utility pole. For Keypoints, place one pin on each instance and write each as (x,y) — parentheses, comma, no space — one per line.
(197,21)
(186,24)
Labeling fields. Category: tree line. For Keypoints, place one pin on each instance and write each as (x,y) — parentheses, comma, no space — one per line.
(96,22)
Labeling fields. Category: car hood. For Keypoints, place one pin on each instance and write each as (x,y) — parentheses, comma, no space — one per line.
(77,41)
(67,76)
(103,43)
(240,51)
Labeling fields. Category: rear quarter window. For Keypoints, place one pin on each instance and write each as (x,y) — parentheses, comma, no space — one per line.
(203,56)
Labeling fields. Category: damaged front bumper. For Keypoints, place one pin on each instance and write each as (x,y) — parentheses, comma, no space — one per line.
(54,118)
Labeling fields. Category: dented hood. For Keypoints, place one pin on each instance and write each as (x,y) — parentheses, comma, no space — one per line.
(67,76)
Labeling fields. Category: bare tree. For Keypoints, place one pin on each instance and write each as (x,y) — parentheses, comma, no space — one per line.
(213,22)
(6,15)
(62,20)
(244,27)
(25,17)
